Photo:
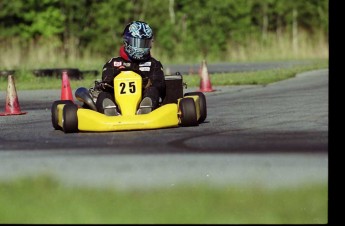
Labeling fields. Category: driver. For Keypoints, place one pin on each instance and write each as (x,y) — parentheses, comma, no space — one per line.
(135,55)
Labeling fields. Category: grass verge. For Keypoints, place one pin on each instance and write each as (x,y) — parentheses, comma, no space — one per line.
(262,77)
(24,80)
(44,200)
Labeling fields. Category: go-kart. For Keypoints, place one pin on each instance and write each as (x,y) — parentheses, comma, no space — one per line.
(177,109)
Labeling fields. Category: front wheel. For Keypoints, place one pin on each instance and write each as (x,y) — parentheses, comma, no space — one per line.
(202,104)
(188,116)
(54,112)
(70,118)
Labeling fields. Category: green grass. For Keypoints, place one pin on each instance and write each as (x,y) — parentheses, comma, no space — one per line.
(45,200)
(262,77)
(25,80)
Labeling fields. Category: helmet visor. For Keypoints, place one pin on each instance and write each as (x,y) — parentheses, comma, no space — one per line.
(139,43)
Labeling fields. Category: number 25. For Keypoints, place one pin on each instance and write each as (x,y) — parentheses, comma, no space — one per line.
(131,87)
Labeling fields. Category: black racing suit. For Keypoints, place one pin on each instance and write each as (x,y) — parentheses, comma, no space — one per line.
(151,71)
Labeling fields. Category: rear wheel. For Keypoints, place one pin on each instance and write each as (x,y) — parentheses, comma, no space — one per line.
(188,115)
(202,102)
(70,118)
(54,112)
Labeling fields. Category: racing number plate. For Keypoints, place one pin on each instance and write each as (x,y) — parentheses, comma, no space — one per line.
(127,87)
(128,91)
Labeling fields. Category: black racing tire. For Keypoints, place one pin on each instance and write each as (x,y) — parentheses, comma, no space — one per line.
(43,72)
(101,97)
(188,114)
(54,112)
(90,72)
(73,73)
(70,118)
(203,106)
(6,72)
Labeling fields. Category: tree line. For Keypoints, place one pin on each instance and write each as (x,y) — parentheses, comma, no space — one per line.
(181,27)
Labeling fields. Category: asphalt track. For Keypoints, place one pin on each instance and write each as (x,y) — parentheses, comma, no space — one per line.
(274,135)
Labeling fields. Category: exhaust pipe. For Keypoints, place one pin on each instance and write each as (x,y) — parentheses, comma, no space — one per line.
(82,94)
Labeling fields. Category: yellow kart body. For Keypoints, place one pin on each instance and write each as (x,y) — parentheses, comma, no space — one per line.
(128,93)
(89,120)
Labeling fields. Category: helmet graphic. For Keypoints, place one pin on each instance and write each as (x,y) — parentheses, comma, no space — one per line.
(137,38)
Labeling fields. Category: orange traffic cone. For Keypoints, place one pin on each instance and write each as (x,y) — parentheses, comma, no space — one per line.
(205,83)
(12,104)
(66,91)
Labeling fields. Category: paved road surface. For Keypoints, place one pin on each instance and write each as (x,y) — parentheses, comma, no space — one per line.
(274,135)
